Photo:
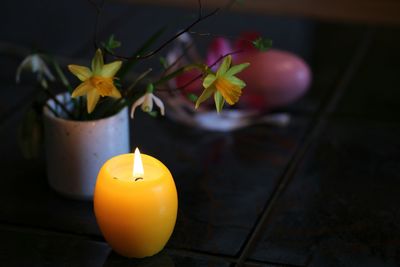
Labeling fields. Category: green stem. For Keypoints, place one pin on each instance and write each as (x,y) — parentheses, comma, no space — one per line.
(120,102)
(61,75)
(179,72)
(52,110)
(54,98)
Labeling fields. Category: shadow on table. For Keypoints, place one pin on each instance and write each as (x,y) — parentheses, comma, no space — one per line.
(160,259)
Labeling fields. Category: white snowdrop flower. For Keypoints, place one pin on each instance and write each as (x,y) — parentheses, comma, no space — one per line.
(37,65)
(146,103)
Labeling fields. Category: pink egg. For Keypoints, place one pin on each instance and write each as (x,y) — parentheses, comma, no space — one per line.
(274,79)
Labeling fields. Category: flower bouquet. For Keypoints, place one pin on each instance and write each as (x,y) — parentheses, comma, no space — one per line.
(89,123)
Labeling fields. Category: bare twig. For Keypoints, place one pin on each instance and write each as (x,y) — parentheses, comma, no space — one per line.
(178,59)
(200,9)
(199,19)
(129,93)
(170,40)
(99,9)
(138,79)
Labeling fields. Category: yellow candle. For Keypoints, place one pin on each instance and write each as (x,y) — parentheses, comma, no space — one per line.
(136,212)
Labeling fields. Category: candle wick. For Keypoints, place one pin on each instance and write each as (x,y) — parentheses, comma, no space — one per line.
(139,178)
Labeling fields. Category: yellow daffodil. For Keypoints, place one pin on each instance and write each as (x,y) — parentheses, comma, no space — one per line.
(223,84)
(96,82)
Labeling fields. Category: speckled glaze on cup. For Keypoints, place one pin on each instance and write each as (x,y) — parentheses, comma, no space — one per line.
(75,150)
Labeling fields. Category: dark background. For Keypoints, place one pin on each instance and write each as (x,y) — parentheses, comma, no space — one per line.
(323,191)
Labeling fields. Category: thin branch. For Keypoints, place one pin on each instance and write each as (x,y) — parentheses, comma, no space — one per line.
(129,92)
(138,79)
(178,59)
(217,35)
(170,40)
(200,9)
(199,19)
(99,9)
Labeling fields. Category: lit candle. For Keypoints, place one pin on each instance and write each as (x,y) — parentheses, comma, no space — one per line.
(135,203)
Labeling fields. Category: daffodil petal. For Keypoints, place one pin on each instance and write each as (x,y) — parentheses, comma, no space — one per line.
(83,89)
(226,63)
(109,70)
(135,105)
(205,95)
(208,80)
(159,104)
(83,73)
(97,62)
(115,93)
(92,99)
(229,91)
(236,69)
(219,101)
(236,81)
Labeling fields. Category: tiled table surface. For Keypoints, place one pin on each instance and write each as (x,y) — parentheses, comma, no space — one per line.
(323,191)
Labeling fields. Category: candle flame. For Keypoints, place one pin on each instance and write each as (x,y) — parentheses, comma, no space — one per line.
(137,165)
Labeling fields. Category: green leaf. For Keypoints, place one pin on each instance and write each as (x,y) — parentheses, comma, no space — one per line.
(146,45)
(150,88)
(170,76)
(117,83)
(111,44)
(137,80)
(219,101)
(262,44)
(178,72)
(192,97)
(163,62)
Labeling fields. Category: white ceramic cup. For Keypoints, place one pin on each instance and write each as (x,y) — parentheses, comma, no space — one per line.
(75,150)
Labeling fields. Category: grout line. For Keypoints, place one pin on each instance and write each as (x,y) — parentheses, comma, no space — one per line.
(274,264)
(19,227)
(201,254)
(328,104)
(360,120)
(344,81)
